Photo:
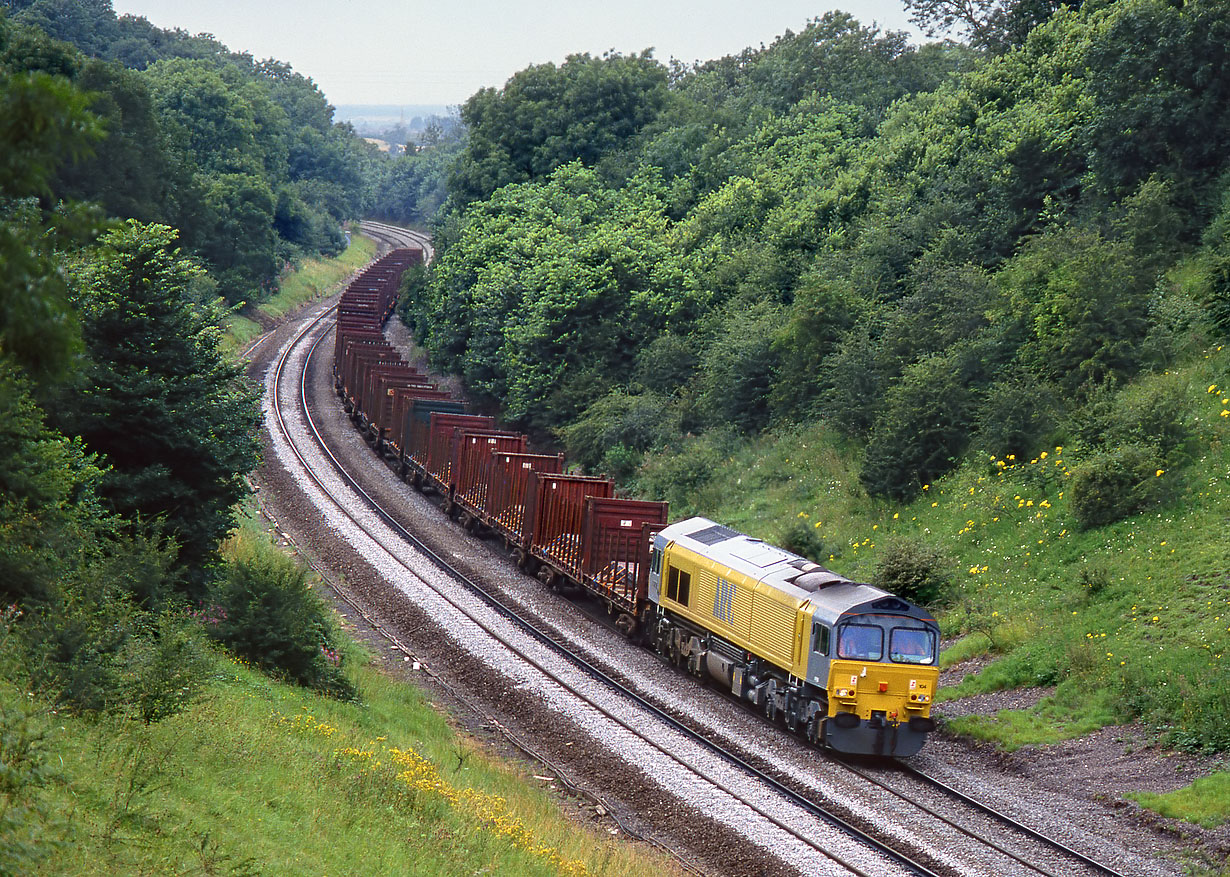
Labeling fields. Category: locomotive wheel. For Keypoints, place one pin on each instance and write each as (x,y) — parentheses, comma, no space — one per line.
(811,731)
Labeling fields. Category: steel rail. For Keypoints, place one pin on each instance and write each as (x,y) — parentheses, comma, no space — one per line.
(997,815)
(798,800)
(395,235)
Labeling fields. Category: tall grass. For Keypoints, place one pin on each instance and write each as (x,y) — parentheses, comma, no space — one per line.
(267,778)
(257,776)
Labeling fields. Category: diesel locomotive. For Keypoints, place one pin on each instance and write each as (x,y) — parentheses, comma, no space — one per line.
(845,665)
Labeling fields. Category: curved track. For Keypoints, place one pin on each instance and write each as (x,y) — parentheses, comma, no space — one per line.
(806,824)
(808,830)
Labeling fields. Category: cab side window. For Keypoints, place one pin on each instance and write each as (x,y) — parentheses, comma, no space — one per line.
(820,642)
(678,584)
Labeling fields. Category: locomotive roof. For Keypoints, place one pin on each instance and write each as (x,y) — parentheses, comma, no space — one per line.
(833,595)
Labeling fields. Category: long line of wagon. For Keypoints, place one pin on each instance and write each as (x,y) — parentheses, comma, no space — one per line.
(570,530)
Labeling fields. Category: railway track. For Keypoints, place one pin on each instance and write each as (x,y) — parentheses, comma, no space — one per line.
(1074,861)
(813,831)
(809,833)
(393,236)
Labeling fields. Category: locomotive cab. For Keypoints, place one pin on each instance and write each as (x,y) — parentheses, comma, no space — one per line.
(878,662)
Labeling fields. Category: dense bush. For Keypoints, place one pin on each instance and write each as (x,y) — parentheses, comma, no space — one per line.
(666,364)
(1215,268)
(738,367)
(104,638)
(683,474)
(1110,485)
(924,426)
(1017,415)
(1085,299)
(799,535)
(1150,415)
(28,830)
(634,423)
(916,571)
(264,610)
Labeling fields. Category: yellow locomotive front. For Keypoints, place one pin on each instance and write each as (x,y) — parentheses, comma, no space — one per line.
(881,678)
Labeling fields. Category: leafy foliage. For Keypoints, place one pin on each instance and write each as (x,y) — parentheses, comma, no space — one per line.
(242,157)
(264,610)
(916,571)
(170,415)
(927,249)
(1113,484)
(631,423)
(925,425)
(547,116)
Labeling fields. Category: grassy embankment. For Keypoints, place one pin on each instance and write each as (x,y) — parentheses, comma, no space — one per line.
(260,777)
(256,776)
(307,282)
(1128,621)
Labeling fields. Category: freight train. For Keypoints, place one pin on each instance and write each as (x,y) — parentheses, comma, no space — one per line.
(844,665)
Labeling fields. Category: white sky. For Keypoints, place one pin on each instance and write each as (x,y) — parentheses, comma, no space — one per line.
(441,52)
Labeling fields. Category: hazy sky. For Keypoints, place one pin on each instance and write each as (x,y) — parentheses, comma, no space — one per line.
(441,52)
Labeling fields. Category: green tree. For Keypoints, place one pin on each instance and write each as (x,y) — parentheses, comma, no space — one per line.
(1084,301)
(997,25)
(548,116)
(924,426)
(738,367)
(215,119)
(168,413)
(241,243)
(47,485)
(43,123)
(128,173)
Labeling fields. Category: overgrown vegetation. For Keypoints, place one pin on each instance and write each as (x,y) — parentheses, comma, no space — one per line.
(261,777)
(946,317)
(125,433)
(241,156)
(929,249)
(263,609)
